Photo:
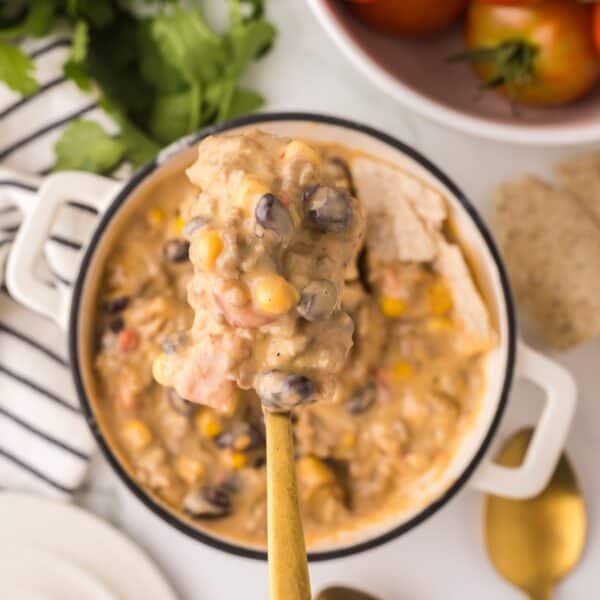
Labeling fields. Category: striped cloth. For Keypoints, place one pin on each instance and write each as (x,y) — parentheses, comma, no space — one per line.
(45,445)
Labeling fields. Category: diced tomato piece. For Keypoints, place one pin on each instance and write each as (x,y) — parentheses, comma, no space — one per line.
(129,340)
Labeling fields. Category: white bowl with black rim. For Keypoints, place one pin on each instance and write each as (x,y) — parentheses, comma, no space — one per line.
(470,465)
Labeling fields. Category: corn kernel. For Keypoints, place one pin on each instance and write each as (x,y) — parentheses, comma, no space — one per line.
(189,469)
(156,216)
(236,460)
(249,193)
(178,225)
(439,325)
(205,249)
(393,308)
(274,295)
(402,371)
(440,299)
(296,150)
(208,423)
(347,441)
(137,435)
(160,369)
(313,472)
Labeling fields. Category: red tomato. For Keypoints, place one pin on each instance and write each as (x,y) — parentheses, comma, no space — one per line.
(511,2)
(410,17)
(597,26)
(538,54)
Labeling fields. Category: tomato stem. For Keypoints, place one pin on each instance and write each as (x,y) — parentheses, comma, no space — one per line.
(513,61)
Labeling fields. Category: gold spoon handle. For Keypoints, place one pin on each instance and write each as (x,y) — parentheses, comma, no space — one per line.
(288,568)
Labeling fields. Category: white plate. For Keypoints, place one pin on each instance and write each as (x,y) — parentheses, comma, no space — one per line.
(28,573)
(84,541)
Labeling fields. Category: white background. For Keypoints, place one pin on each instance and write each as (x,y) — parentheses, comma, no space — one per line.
(443,558)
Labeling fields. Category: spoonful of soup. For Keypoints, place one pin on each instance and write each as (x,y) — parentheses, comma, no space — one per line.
(272,234)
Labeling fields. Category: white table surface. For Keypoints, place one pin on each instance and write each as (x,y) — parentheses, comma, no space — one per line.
(442,559)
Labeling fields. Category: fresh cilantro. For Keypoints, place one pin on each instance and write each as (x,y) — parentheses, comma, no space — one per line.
(247,41)
(155,67)
(175,115)
(139,148)
(75,68)
(246,10)
(242,103)
(38,20)
(99,13)
(85,146)
(189,45)
(16,70)
(161,70)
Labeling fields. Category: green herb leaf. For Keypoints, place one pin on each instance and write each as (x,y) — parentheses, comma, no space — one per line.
(99,13)
(113,61)
(75,68)
(189,45)
(175,115)
(243,102)
(155,68)
(246,42)
(85,146)
(139,148)
(245,10)
(38,21)
(16,70)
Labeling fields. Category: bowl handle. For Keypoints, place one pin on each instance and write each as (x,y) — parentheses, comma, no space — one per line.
(548,439)
(55,190)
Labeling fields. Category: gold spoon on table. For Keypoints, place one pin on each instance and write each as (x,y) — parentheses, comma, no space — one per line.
(535,543)
(288,567)
(343,593)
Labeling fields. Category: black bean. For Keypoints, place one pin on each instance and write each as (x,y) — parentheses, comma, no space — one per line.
(242,437)
(280,391)
(176,250)
(180,405)
(225,440)
(259,462)
(116,324)
(318,300)
(116,305)
(271,214)
(362,399)
(328,209)
(363,270)
(208,502)
(194,225)
(337,170)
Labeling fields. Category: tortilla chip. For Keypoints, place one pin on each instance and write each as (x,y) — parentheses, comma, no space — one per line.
(551,247)
(396,230)
(581,176)
(469,308)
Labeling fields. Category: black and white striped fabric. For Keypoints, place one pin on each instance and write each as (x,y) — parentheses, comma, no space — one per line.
(44,442)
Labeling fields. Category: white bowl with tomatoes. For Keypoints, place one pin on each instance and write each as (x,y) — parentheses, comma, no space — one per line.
(524,71)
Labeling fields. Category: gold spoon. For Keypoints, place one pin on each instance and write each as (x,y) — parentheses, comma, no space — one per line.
(535,543)
(343,593)
(288,568)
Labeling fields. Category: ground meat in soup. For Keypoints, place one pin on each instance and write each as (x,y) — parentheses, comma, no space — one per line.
(407,387)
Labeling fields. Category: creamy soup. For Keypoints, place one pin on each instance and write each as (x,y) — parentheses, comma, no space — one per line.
(408,380)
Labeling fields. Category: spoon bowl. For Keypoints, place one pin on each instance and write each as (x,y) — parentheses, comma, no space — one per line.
(535,543)
(343,593)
